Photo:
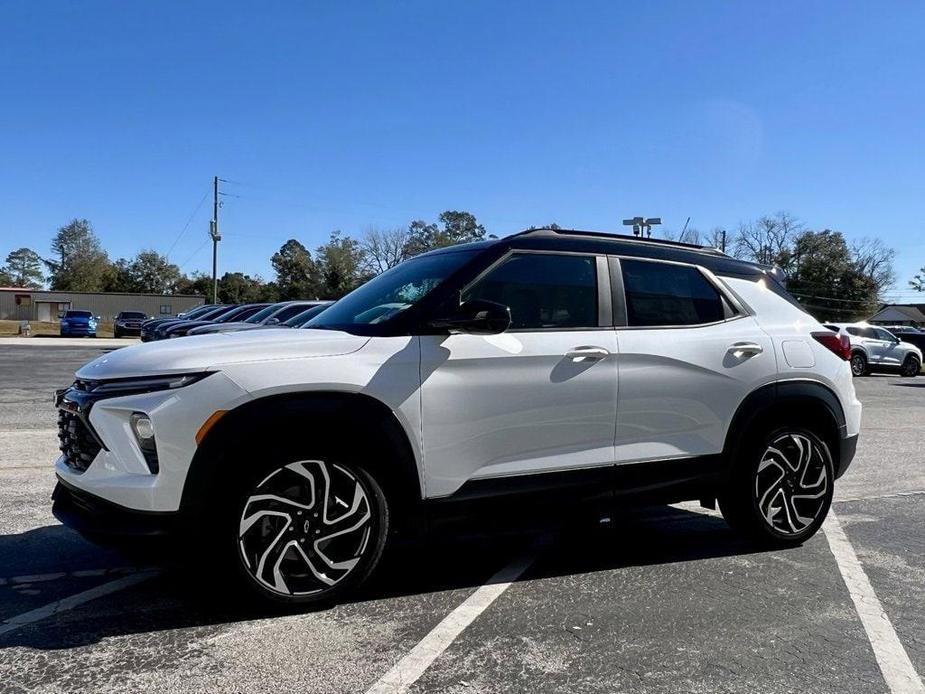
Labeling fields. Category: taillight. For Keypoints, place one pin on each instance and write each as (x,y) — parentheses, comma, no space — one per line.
(837,343)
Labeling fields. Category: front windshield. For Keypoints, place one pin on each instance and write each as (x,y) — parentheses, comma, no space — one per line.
(392,292)
(305,316)
(264,313)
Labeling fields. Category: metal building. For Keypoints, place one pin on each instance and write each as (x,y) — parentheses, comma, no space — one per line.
(42,305)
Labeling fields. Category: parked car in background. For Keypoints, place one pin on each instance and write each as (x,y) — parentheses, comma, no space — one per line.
(128,323)
(271,316)
(148,327)
(236,312)
(876,349)
(78,324)
(160,331)
(907,333)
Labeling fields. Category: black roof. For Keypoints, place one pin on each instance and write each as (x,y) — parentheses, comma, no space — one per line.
(582,241)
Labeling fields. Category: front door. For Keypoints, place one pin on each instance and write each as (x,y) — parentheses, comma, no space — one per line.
(890,352)
(540,397)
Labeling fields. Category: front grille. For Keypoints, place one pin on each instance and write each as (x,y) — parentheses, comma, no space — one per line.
(77,442)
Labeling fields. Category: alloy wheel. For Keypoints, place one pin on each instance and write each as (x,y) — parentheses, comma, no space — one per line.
(792,483)
(911,366)
(858,364)
(305,528)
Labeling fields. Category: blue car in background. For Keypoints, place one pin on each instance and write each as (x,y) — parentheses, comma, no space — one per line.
(77,324)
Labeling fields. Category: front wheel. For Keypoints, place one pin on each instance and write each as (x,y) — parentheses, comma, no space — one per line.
(781,491)
(308,531)
(911,366)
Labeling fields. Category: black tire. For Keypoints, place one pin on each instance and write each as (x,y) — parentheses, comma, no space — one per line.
(859,365)
(309,543)
(116,334)
(768,510)
(911,366)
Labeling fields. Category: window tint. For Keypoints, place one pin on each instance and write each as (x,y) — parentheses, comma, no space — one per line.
(854,331)
(664,294)
(543,291)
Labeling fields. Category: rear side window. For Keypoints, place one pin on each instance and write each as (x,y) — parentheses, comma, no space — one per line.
(662,294)
(543,291)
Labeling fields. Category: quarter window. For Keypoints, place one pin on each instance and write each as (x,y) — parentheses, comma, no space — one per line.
(660,294)
(543,291)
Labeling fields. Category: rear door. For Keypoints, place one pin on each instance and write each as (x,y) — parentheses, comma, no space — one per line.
(689,355)
(540,397)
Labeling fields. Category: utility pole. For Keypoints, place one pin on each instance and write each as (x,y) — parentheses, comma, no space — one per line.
(216,237)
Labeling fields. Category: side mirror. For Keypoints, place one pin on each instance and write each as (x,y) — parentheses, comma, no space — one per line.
(477,317)
(272,321)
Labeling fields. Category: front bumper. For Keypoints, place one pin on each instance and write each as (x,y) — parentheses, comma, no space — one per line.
(90,514)
(72,331)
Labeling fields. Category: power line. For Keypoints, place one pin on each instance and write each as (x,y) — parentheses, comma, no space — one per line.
(188,222)
(194,253)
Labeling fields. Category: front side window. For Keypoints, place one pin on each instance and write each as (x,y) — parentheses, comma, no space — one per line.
(543,291)
(664,294)
(884,335)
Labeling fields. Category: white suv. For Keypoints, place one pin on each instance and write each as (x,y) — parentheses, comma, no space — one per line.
(567,367)
(877,349)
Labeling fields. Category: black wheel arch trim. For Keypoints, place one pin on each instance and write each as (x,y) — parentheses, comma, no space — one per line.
(787,394)
(371,418)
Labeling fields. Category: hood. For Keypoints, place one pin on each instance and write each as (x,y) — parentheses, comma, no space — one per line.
(205,352)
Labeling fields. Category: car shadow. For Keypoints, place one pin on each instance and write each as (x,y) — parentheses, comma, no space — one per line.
(909,385)
(169,601)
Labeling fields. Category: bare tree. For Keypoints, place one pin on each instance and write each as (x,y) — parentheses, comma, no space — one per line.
(383,248)
(874,259)
(767,240)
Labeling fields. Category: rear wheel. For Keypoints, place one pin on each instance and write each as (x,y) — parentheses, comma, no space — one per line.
(858,364)
(307,531)
(911,366)
(781,491)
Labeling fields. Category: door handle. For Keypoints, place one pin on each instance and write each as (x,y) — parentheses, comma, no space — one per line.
(743,350)
(587,352)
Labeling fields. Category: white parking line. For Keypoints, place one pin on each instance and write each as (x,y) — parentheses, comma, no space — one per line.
(72,601)
(897,669)
(407,670)
(80,573)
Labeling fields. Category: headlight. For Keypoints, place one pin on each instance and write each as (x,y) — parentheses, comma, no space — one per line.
(147,384)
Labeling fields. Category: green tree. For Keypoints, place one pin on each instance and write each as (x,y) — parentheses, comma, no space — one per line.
(453,227)
(80,263)
(238,288)
(339,262)
(197,283)
(6,279)
(828,281)
(24,268)
(918,282)
(153,273)
(296,274)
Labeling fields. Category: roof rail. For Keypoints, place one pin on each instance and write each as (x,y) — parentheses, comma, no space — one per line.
(543,231)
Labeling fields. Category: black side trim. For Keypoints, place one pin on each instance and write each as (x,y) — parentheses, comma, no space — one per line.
(576,493)
(87,513)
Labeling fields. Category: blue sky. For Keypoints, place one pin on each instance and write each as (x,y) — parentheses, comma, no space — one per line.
(348,114)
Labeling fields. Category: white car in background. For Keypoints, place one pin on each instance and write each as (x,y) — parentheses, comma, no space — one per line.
(877,349)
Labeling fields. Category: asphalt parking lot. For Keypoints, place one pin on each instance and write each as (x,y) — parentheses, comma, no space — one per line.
(665,600)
